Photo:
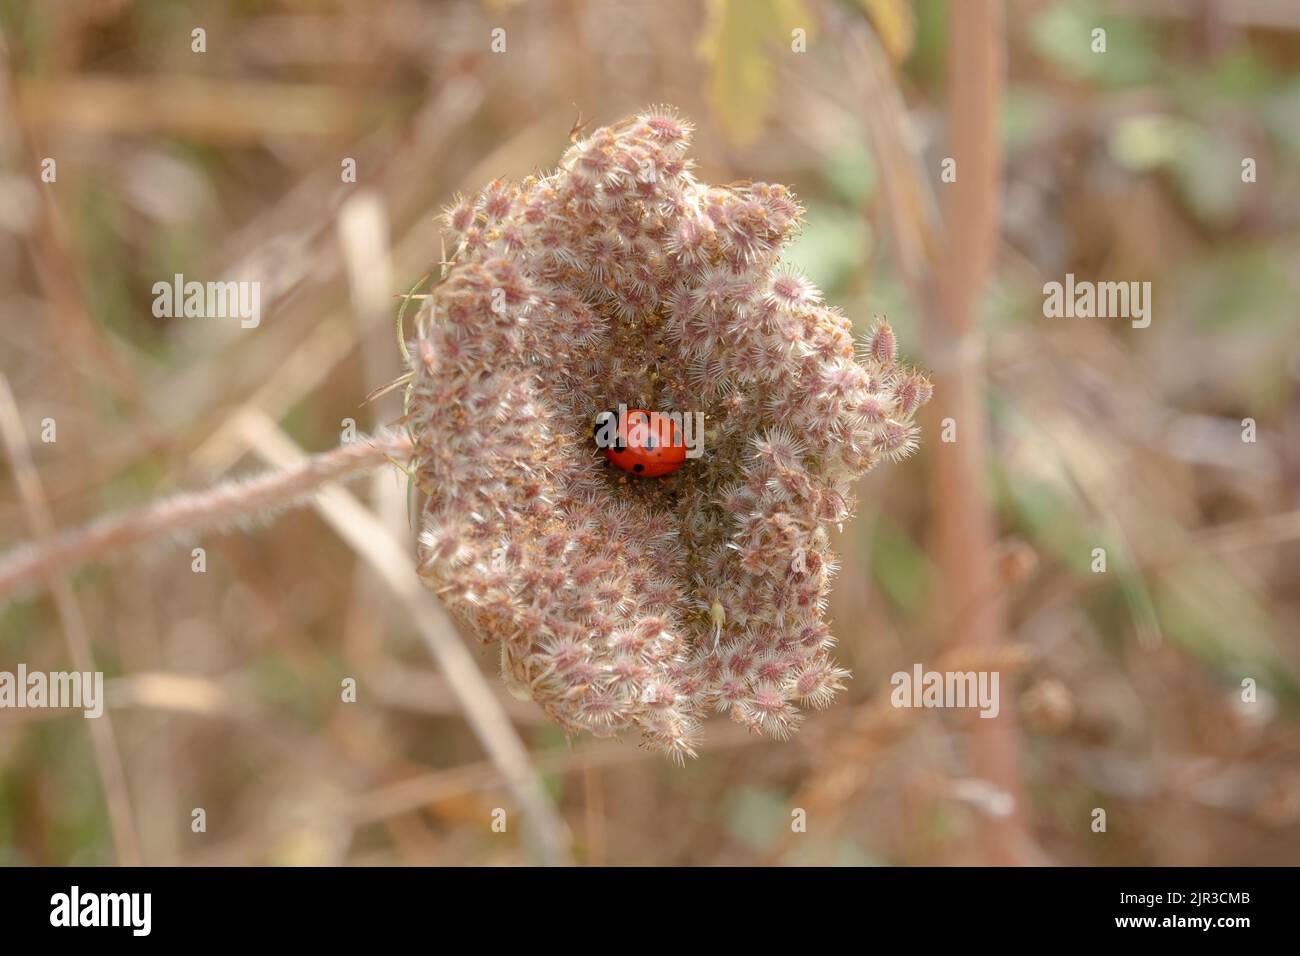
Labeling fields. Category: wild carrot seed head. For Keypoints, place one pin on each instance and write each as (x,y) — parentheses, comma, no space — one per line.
(619,278)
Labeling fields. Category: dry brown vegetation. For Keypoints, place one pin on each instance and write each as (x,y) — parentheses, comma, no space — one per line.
(1120,690)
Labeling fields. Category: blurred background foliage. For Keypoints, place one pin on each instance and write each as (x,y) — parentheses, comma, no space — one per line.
(225,685)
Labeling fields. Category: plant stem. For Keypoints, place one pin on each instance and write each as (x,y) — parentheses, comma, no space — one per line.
(964,519)
(37,564)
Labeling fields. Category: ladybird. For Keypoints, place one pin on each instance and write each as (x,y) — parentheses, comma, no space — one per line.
(649,444)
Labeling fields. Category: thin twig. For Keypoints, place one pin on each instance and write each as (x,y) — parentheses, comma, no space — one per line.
(852,756)
(226,504)
(546,830)
(108,759)
(420,791)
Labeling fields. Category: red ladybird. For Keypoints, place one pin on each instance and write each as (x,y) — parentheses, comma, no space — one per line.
(649,444)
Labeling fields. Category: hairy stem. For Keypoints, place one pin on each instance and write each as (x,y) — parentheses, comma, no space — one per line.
(36,564)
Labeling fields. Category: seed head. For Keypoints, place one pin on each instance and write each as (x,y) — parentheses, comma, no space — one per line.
(627,603)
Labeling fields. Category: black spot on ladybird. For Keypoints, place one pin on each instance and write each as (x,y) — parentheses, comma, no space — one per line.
(638,467)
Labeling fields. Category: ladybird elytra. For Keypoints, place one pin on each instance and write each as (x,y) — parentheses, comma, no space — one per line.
(648,444)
